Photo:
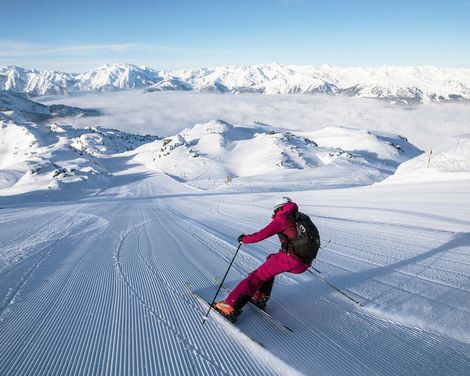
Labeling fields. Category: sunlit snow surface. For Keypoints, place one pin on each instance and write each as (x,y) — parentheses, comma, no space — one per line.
(98,281)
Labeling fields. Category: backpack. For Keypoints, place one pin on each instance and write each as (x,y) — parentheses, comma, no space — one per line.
(307,242)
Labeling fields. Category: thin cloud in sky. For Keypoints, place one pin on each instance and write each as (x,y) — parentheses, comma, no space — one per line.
(19,49)
(76,56)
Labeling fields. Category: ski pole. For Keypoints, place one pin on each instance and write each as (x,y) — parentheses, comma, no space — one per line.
(221,283)
(324,246)
(317,274)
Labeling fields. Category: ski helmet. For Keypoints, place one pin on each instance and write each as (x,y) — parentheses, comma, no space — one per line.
(280,202)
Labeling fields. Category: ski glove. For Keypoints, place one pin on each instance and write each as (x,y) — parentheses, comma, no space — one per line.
(240,238)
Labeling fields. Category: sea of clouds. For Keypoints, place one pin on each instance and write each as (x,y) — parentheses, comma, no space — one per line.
(166,113)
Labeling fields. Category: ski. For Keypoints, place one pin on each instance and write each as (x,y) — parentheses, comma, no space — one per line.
(206,304)
(262,312)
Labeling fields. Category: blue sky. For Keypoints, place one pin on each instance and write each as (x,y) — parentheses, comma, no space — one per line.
(79,35)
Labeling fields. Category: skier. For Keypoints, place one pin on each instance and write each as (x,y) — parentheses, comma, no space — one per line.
(258,284)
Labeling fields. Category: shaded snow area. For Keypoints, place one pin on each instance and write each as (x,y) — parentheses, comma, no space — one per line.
(105,237)
(219,155)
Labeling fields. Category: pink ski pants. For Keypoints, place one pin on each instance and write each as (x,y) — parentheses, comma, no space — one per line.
(276,263)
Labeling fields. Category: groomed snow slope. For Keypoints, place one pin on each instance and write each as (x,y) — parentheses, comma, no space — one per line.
(99,285)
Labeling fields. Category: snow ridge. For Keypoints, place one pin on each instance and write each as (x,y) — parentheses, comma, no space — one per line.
(220,155)
(411,84)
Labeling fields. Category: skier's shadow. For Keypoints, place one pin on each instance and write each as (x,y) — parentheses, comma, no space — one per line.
(461,239)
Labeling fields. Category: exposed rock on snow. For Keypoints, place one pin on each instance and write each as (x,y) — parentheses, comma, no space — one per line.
(398,84)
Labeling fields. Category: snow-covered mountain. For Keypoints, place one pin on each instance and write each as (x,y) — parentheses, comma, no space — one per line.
(116,76)
(40,157)
(106,77)
(16,105)
(220,155)
(35,82)
(415,84)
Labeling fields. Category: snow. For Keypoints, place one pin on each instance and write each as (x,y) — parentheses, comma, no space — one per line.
(258,157)
(36,157)
(448,161)
(399,84)
(94,270)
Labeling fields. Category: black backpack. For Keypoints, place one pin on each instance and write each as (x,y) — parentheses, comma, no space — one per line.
(307,243)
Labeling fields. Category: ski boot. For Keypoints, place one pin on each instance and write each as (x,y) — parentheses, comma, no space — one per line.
(227,311)
(260,299)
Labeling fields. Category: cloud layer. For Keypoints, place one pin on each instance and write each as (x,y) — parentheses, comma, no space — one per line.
(165,114)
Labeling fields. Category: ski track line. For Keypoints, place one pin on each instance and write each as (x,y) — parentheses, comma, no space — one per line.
(397,271)
(43,252)
(332,342)
(368,222)
(193,350)
(160,318)
(31,241)
(25,234)
(206,277)
(416,275)
(168,286)
(210,232)
(421,242)
(243,268)
(395,287)
(423,268)
(61,284)
(387,321)
(122,307)
(381,235)
(396,240)
(400,254)
(425,272)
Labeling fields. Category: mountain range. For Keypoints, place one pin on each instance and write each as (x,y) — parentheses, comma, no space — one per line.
(394,83)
